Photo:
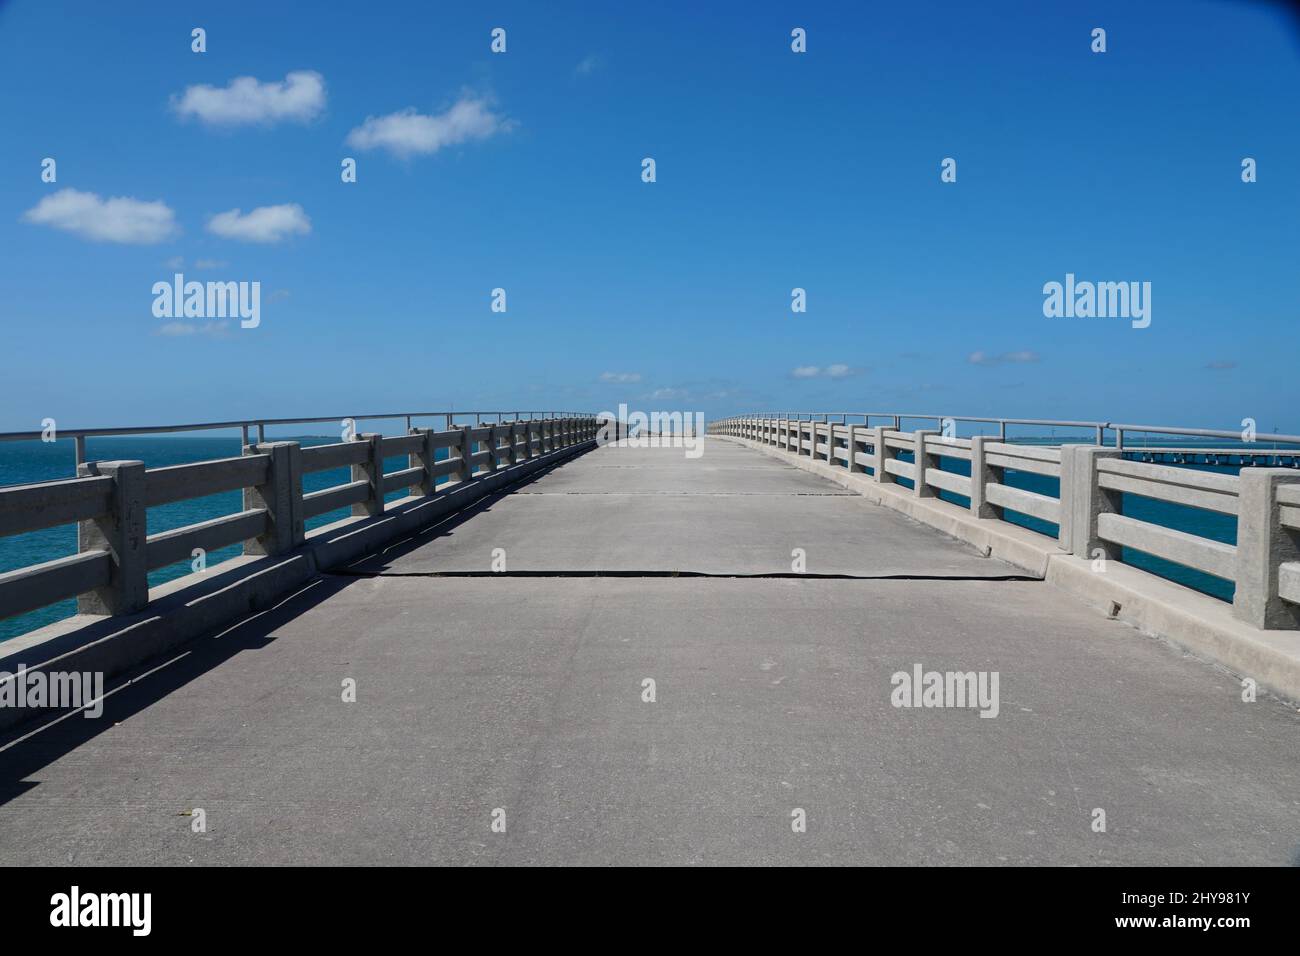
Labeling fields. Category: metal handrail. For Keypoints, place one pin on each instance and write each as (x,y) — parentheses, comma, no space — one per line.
(79,435)
(1099,427)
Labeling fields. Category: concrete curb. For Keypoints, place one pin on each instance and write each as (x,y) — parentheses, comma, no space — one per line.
(184,610)
(1194,622)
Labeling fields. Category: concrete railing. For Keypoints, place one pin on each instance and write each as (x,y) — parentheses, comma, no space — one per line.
(1263,566)
(109,502)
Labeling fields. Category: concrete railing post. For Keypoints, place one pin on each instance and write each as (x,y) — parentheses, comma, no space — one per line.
(1064,533)
(924,458)
(494,448)
(982,474)
(466,470)
(372,471)
(883,453)
(515,455)
(281,496)
(855,466)
(1088,500)
(424,458)
(489,464)
(1264,544)
(830,443)
(122,532)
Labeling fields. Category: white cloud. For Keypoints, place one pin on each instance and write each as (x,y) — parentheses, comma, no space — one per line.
(119,219)
(589,64)
(620,377)
(661,394)
(299,97)
(182,329)
(1002,358)
(838,370)
(263,224)
(175,263)
(210,264)
(407,133)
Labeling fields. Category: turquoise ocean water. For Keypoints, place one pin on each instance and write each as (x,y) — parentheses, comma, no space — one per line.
(24,462)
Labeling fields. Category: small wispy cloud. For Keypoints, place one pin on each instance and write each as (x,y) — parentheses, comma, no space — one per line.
(210,263)
(1003,358)
(1221,365)
(245,100)
(588,65)
(408,133)
(837,370)
(264,224)
(118,219)
(664,394)
(183,329)
(620,377)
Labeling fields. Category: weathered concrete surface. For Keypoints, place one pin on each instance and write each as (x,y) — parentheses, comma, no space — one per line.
(526,695)
(654,510)
(724,467)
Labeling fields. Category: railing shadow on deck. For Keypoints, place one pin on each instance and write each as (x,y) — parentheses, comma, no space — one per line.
(27,748)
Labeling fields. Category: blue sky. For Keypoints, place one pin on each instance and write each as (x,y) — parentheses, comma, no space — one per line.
(775,170)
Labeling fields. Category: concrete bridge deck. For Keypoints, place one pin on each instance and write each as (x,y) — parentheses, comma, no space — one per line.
(478,691)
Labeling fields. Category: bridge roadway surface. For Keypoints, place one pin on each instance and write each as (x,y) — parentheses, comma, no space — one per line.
(525,693)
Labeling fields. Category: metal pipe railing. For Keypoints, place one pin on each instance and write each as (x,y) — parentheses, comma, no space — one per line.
(1099,428)
(79,435)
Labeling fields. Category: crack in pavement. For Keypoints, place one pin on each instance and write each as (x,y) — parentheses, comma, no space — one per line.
(779,575)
